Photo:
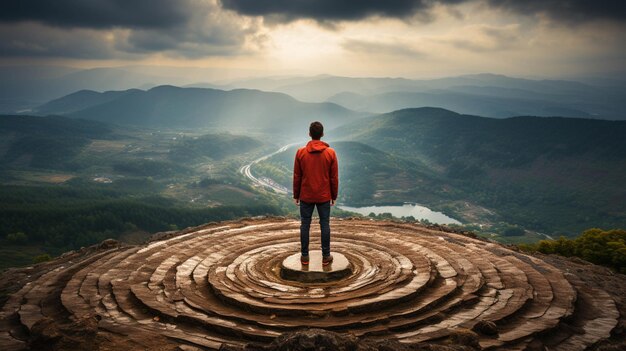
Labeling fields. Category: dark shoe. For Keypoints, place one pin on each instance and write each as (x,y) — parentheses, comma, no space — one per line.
(304,259)
(326,260)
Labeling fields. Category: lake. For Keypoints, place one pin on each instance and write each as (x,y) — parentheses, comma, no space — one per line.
(417,211)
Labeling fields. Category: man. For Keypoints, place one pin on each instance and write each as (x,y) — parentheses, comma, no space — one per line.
(315,184)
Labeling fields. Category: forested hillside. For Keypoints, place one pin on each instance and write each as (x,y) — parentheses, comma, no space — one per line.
(547,174)
(67,183)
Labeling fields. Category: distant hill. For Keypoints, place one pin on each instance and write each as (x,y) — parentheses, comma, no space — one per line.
(45,142)
(470,100)
(42,83)
(440,135)
(548,174)
(25,87)
(80,100)
(484,94)
(168,106)
(323,87)
(52,125)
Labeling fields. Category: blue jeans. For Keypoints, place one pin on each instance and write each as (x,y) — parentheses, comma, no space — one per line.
(306,212)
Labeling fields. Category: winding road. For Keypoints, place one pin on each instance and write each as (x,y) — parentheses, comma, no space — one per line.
(245,170)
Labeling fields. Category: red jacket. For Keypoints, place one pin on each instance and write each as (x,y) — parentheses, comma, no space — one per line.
(315,174)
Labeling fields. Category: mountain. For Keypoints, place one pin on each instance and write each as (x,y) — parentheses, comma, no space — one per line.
(37,84)
(547,174)
(465,100)
(79,100)
(45,142)
(484,94)
(438,134)
(323,87)
(168,106)
(26,87)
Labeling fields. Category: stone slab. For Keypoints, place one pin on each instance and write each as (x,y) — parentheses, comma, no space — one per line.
(315,272)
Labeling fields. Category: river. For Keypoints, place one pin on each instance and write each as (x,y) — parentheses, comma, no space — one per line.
(408,209)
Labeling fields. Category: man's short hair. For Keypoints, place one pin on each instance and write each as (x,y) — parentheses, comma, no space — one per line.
(316,129)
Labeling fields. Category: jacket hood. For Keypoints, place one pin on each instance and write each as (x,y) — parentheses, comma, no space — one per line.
(316,146)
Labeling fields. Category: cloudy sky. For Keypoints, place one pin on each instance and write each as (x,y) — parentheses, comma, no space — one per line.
(409,38)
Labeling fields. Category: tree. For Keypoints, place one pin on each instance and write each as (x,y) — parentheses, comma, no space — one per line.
(597,246)
(42,258)
(513,231)
(17,238)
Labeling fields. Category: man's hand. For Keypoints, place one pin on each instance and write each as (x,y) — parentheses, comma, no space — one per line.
(296,201)
(332,202)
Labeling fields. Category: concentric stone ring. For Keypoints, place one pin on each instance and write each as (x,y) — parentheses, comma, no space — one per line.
(222,284)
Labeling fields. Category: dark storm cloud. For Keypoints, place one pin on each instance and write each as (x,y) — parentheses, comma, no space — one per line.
(102,29)
(205,40)
(567,10)
(36,40)
(331,10)
(349,10)
(97,13)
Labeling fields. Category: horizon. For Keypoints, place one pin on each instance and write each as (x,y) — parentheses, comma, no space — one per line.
(287,75)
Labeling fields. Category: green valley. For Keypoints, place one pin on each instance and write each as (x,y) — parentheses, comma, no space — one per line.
(67,183)
(546,175)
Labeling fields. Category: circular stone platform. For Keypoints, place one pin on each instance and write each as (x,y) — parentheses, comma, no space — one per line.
(314,272)
(220,285)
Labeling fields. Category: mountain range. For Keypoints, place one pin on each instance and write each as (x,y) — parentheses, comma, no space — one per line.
(485,94)
(174,107)
(26,87)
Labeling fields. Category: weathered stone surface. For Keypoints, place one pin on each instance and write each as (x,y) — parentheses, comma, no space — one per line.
(222,285)
(466,338)
(109,244)
(322,340)
(48,334)
(486,328)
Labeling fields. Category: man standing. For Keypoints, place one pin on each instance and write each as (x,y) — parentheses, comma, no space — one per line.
(315,184)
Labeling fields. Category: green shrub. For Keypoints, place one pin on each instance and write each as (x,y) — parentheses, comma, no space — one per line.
(42,258)
(607,248)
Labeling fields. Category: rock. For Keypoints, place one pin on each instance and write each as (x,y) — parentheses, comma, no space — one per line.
(464,337)
(579,260)
(386,345)
(48,334)
(613,347)
(314,339)
(535,345)
(309,340)
(45,334)
(67,254)
(323,340)
(486,328)
(109,244)
(407,283)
